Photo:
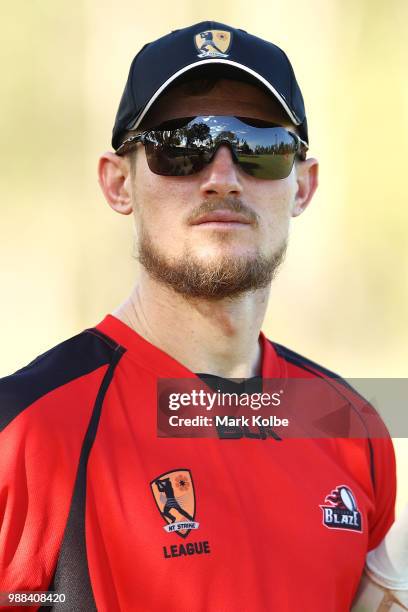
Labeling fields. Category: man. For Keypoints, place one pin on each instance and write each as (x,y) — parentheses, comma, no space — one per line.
(210,158)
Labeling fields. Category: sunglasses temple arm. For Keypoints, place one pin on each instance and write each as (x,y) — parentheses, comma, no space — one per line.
(303,148)
(127,144)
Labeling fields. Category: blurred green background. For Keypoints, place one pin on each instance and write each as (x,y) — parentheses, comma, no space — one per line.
(66,258)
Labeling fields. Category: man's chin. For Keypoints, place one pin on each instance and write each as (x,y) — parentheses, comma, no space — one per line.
(226,277)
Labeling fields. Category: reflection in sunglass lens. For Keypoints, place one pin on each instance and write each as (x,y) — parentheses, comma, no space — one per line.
(269,161)
(262,152)
(171,160)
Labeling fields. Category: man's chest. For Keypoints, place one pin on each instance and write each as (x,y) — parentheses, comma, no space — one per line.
(245,520)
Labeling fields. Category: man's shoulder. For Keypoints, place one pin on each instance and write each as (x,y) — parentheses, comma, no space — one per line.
(302,364)
(329,391)
(72,360)
(304,369)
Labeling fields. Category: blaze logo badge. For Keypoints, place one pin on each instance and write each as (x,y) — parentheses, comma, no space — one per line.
(174,495)
(342,513)
(213,43)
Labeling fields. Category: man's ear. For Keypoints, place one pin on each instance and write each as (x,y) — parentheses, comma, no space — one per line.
(114,179)
(307,181)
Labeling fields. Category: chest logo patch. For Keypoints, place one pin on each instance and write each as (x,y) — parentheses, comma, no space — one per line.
(213,43)
(341,511)
(174,495)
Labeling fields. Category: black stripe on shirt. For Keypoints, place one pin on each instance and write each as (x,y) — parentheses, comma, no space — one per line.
(72,575)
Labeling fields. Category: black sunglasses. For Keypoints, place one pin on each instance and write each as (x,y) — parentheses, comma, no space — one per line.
(182,147)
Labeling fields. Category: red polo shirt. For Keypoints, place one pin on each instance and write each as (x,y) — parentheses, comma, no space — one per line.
(86,485)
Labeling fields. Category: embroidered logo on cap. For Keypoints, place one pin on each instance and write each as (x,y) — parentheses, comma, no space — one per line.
(175,499)
(213,43)
(342,513)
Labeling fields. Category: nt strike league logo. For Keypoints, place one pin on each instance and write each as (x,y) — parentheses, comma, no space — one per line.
(342,513)
(174,495)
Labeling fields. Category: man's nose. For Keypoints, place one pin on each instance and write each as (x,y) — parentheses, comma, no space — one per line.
(221,176)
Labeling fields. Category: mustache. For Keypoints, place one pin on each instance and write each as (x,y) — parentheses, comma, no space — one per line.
(230,203)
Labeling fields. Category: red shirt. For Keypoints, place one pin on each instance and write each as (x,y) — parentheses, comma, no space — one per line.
(85,483)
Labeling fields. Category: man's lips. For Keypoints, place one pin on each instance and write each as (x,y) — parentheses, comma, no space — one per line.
(221,216)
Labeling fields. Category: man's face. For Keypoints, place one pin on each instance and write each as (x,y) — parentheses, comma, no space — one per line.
(212,260)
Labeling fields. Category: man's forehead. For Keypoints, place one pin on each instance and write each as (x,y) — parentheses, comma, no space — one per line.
(215,97)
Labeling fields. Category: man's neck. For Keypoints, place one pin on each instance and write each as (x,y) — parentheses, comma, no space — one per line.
(215,337)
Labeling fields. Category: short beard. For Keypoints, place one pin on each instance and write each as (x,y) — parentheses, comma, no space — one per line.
(229,277)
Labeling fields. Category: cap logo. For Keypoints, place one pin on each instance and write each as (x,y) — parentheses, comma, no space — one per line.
(213,43)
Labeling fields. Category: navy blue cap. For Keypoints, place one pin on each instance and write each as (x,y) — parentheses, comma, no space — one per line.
(231,52)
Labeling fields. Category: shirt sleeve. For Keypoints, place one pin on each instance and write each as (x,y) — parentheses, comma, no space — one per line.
(40,452)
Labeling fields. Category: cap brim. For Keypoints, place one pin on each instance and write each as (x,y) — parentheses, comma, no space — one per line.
(221,67)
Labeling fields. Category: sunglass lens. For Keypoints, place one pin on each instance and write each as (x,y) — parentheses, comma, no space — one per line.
(272,160)
(175,160)
(264,153)
(169,160)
